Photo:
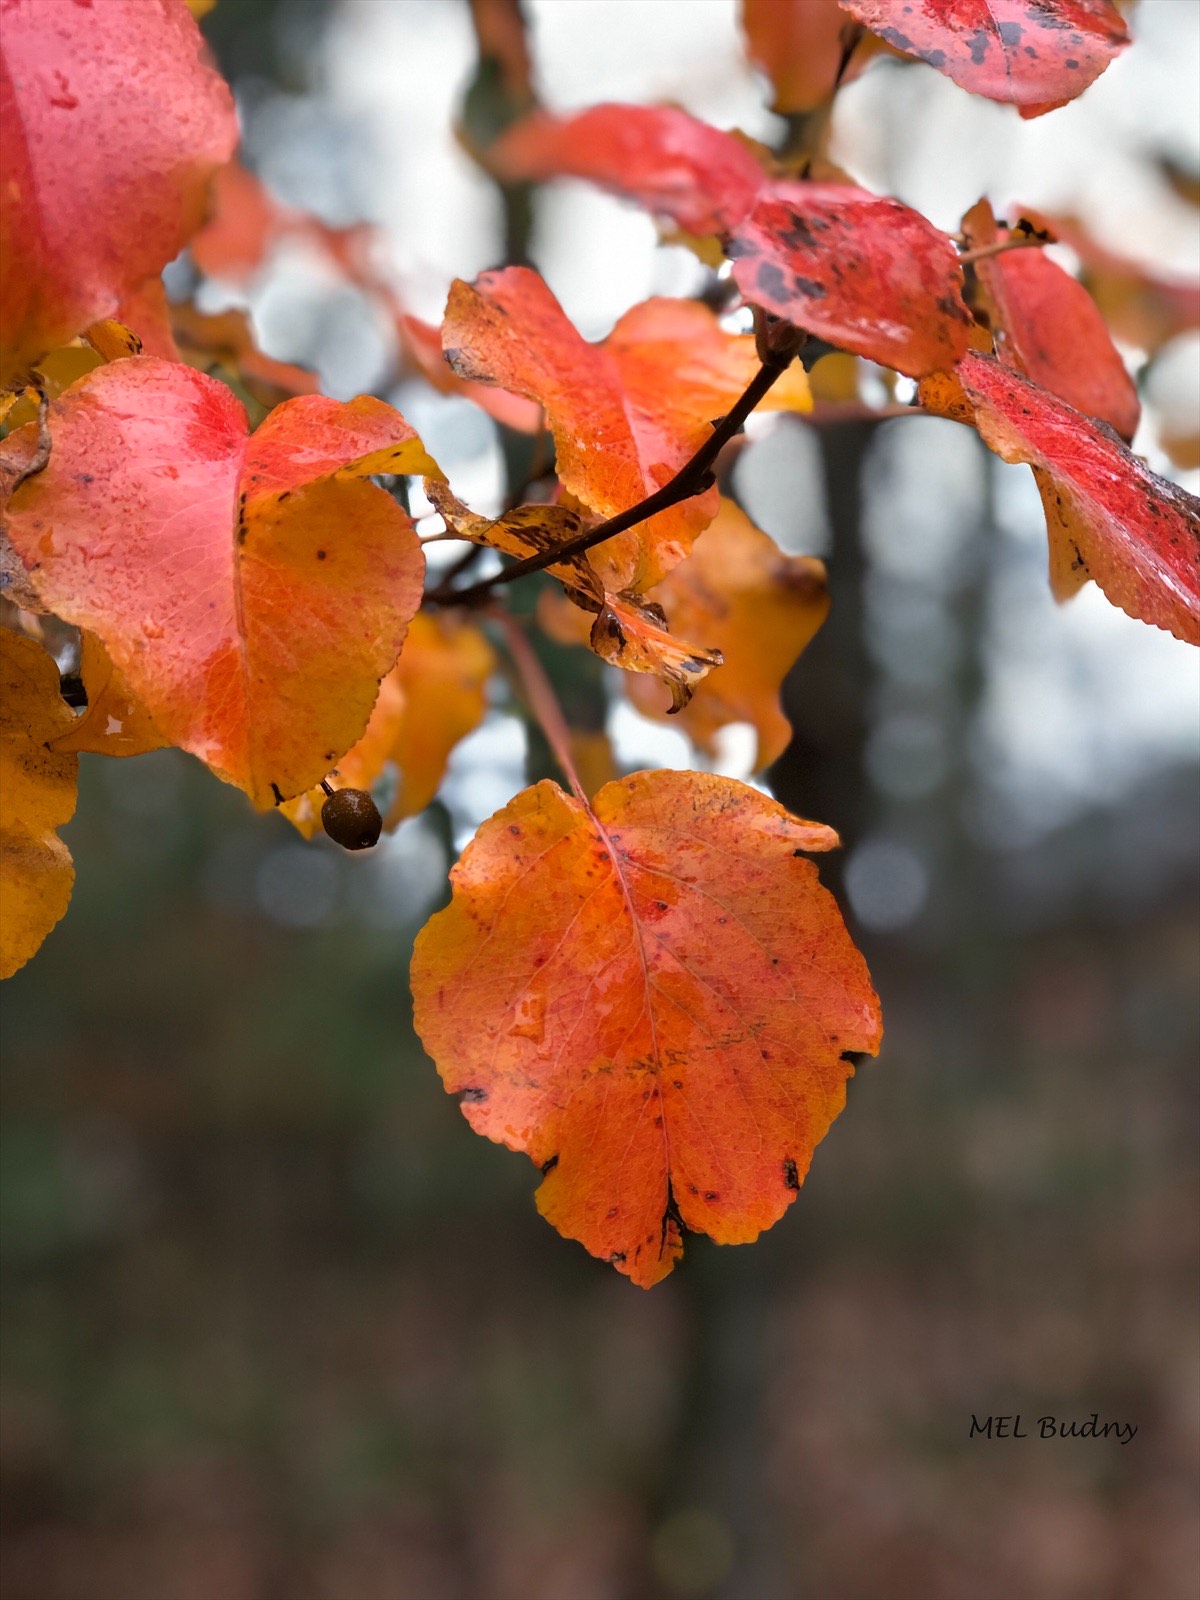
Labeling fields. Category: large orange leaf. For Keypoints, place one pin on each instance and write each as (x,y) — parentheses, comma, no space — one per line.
(870,275)
(653,998)
(37,795)
(250,589)
(625,415)
(1047,326)
(111,123)
(1108,516)
(1034,54)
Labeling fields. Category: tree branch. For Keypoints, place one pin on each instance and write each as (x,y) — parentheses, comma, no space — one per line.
(540,697)
(693,478)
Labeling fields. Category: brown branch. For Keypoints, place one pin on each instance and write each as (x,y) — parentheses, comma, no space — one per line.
(39,460)
(1014,241)
(693,478)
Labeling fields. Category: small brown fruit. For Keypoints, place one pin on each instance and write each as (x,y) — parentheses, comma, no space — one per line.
(351,818)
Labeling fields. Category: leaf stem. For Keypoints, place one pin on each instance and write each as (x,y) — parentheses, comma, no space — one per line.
(542,700)
(1014,241)
(693,478)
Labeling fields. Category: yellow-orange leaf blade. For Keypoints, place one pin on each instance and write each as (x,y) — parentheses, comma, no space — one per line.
(652,997)
(37,795)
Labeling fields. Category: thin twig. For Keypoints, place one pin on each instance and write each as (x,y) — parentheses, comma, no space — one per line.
(41,455)
(693,478)
(1014,241)
(539,692)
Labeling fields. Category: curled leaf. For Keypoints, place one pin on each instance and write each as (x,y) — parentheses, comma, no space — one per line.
(632,633)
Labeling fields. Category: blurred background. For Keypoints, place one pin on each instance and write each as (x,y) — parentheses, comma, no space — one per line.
(278,1326)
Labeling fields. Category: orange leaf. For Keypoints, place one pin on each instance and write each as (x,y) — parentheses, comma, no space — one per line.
(632,632)
(1034,54)
(521,532)
(111,124)
(799,45)
(423,345)
(250,590)
(37,795)
(434,696)
(1047,326)
(114,722)
(625,415)
(870,275)
(1108,516)
(652,997)
(760,608)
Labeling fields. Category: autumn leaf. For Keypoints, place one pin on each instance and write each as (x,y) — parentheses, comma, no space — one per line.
(422,344)
(114,722)
(523,531)
(249,588)
(760,608)
(1047,326)
(625,415)
(633,633)
(669,161)
(1034,54)
(870,275)
(653,998)
(111,123)
(799,44)
(1108,516)
(37,795)
(1141,304)
(434,696)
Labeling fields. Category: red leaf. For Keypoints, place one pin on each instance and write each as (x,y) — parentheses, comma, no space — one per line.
(625,415)
(1047,326)
(1108,516)
(867,274)
(110,125)
(249,588)
(1034,54)
(651,996)
(668,161)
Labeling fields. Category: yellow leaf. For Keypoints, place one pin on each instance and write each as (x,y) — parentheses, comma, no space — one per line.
(37,795)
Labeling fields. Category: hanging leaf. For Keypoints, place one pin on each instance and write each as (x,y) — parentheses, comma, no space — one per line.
(250,589)
(1108,516)
(111,123)
(625,415)
(37,795)
(868,274)
(1047,326)
(653,998)
(1034,54)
